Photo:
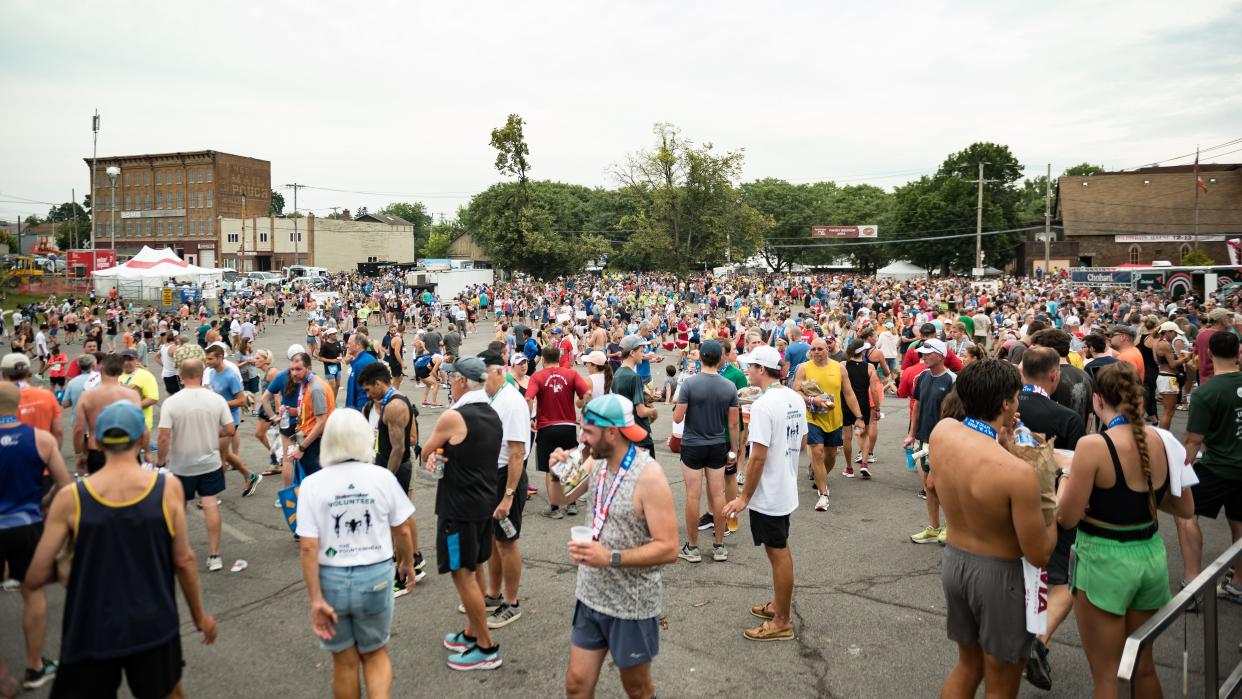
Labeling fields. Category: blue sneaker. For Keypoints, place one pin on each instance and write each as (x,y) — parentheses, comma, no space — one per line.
(475,659)
(457,642)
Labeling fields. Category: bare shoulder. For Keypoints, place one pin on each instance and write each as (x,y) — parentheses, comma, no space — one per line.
(653,474)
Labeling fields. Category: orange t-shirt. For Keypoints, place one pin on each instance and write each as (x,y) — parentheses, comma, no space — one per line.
(1133,356)
(38,408)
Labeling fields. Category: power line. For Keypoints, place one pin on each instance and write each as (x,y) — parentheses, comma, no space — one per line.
(1187,155)
(902,240)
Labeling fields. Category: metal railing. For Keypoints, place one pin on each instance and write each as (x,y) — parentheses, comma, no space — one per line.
(1146,634)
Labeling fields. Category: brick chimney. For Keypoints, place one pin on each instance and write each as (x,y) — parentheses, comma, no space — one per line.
(345,215)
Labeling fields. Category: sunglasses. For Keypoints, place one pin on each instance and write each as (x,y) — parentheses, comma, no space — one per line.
(590,417)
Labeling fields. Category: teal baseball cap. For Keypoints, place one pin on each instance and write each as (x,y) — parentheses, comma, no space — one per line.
(122,415)
(612,410)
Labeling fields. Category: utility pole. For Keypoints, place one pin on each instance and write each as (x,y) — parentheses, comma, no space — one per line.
(73,235)
(1048,222)
(1196,168)
(94,174)
(297,243)
(241,259)
(979,222)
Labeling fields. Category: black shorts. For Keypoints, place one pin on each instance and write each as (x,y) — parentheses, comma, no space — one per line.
(1058,563)
(17,547)
(404,474)
(699,457)
(172,384)
(550,439)
(769,530)
(462,544)
(1213,492)
(422,372)
(95,460)
(516,507)
(206,485)
(57,381)
(152,673)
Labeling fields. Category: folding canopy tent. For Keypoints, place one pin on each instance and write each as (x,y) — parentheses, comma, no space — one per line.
(901,271)
(144,275)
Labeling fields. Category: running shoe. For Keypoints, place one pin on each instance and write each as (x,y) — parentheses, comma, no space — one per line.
(943,537)
(690,553)
(1231,591)
(821,504)
(864,472)
(458,641)
(420,567)
(553,513)
(475,658)
(1196,602)
(276,504)
(707,521)
(252,482)
(858,455)
(214,563)
(571,509)
(1038,672)
(37,678)
(871,459)
(11,585)
(399,589)
(504,615)
(490,604)
(929,535)
(719,553)
(848,472)
(922,494)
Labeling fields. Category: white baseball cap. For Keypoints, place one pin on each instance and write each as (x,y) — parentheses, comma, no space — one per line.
(764,356)
(295,350)
(933,345)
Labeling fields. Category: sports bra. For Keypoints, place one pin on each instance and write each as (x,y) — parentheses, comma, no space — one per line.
(1119,504)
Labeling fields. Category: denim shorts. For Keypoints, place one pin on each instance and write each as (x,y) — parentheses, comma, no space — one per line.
(362,599)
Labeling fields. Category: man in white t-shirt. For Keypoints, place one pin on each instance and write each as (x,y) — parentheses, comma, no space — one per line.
(777,435)
(505,565)
(193,422)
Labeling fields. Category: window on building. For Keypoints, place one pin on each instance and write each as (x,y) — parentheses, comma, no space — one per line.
(262,236)
(233,237)
(180,227)
(159,228)
(208,222)
(208,174)
(180,200)
(159,200)
(1185,250)
(146,179)
(147,227)
(178,177)
(159,177)
(1135,251)
(209,198)
(147,201)
(127,179)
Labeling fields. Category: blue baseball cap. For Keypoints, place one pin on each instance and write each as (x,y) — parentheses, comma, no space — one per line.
(122,415)
(612,410)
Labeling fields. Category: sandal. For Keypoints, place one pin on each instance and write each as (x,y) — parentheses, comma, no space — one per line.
(763,611)
(763,632)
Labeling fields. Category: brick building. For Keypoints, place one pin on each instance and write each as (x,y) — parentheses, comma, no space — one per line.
(175,200)
(1138,216)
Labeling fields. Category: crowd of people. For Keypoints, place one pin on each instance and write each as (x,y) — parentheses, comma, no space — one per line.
(757,369)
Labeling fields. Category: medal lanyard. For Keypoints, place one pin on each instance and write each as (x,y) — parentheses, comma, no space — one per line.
(1032,388)
(297,410)
(980,426)
(1117,420)
(8,420)
(602,505)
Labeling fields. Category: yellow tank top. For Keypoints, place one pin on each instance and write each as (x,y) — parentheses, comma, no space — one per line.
(828,378)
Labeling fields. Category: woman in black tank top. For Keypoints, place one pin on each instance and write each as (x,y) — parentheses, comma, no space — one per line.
(1119,572)
(860,374)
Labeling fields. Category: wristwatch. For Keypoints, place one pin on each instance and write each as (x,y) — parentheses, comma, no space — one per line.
(509,492)
(616,558)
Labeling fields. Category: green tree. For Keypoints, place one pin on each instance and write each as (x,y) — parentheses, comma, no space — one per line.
(416,214)
(686,212)
(1197,257)
(278,204)
(512,152)
(1082,169)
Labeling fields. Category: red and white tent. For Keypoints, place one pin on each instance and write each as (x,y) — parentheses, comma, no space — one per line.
(152,269)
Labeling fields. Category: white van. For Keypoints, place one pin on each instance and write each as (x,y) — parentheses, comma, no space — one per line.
(297,271)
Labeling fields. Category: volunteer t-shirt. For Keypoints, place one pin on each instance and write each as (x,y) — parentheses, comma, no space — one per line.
(778,421)
(707,398)
(351,508)
(1216,413)
(195,416)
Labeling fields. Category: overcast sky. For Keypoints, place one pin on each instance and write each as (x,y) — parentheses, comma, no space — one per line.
(400,97)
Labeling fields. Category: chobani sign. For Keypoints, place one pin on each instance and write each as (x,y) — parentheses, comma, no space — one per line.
(1101,276)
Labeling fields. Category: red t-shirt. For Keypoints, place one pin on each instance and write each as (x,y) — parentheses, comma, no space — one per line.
(1206,370)
(554,390)
(567,353)
(951,362)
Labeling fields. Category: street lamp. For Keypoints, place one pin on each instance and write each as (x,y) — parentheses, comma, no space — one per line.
(114,173)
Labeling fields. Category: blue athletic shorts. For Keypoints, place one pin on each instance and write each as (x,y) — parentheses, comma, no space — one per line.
(362,599)
(631,641)
(816,435)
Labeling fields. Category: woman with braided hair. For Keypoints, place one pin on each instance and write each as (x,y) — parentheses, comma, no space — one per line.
(1119,574)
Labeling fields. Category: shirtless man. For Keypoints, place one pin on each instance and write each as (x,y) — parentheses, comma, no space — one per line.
(599,337)
(90,458)
(993,500)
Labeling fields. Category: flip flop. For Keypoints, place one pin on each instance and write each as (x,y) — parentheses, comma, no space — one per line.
(765,633)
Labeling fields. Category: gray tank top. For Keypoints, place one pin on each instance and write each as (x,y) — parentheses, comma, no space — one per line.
(624,593)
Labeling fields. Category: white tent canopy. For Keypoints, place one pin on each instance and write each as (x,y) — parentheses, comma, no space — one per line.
(902,271)
(146,273)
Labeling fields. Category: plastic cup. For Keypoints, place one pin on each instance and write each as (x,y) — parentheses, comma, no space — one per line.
(579,533)
(732,523)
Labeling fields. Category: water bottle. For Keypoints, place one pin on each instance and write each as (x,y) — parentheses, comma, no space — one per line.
(507,527)
(910,465)
(1022,436)
(438,460)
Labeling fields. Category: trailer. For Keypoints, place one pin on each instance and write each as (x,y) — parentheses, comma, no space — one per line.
(1177,282)
(451,282)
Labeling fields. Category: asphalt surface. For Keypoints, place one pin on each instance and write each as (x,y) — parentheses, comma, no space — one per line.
(868,606)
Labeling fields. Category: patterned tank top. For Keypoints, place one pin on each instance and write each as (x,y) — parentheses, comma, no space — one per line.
(624,593)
